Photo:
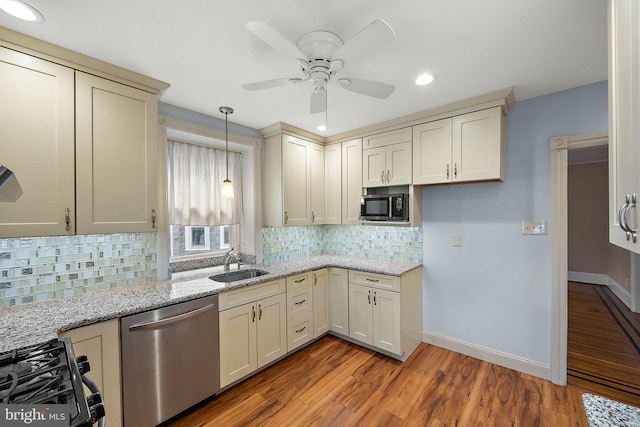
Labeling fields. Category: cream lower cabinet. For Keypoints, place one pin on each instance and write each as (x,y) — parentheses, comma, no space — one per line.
(464,148)
(252,334)
(339,301)
(100,342)
(320,302)
(385,311)
(300,303)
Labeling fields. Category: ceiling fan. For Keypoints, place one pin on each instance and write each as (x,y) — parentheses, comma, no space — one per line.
(321,55)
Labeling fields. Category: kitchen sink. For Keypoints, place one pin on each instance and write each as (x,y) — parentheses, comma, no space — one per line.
(232,276)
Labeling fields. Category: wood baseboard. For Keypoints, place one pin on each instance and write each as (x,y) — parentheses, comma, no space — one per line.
(602,279)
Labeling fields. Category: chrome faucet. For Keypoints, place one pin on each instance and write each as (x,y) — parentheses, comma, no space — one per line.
(227,259)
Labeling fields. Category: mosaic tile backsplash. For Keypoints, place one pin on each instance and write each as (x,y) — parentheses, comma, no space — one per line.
(41,268)
(369,241)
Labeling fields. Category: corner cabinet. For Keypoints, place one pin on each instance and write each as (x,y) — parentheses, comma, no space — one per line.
(464,148)
(385,311)
(624,128)
(386,159)
(83,148)
(293,181)
(339,301)
(252,329)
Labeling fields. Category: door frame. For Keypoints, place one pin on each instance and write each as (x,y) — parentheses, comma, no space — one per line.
(559,244)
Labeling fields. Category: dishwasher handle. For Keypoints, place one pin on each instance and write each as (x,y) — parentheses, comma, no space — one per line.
(158,323)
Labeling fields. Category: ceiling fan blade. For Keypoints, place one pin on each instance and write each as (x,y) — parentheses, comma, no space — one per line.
(266,84)
(366,42)
(274,39)
(318,101)
(367,87)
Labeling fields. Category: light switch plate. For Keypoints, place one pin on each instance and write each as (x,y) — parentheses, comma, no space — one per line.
(457,241)
(534,227)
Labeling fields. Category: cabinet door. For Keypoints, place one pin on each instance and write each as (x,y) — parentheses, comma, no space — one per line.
(624,101)
(100,342)
(386,321)
(373,167)
(37,144)
(296,183)
(116,157)
(432,152)
(272,329)
(351,181)
(333,184)
(238,348)
(339,301)
(360,313)
(398,164)
(320,302)
(316,180)
(478,146)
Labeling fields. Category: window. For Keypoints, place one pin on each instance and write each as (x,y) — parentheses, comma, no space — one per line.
(202,223)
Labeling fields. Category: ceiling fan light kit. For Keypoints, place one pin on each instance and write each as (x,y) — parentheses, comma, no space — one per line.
(321,55)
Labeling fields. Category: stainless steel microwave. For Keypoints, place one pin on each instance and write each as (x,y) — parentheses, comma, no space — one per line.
(390,207)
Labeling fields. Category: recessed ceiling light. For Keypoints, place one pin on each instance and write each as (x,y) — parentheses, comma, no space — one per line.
(322,128)
(21,10)
(424,79)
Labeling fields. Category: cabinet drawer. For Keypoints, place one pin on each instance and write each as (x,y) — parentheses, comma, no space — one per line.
(251,293)
(379,281)
(299,301)
(299,331)
(387,138)
(299,280)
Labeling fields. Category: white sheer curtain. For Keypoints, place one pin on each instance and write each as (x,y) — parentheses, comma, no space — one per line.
(195,176)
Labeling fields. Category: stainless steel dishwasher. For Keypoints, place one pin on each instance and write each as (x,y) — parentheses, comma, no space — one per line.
(170,360)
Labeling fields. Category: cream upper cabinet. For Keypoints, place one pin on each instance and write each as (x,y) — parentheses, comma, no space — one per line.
(116,157)
(37,144)
(317,182)
(333,184)
(351,180)
(293,181)
(464,148)
(624,128)
(84,150)
(386,158)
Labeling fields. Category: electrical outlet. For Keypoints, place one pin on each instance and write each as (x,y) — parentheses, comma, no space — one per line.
(457,241)
(534,227)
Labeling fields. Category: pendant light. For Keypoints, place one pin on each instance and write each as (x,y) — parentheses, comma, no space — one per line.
(227,186)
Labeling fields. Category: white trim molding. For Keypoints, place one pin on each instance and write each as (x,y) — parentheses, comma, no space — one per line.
(489,355)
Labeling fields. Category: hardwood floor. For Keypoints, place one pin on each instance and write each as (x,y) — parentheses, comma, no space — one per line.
(603,344)
(335,383)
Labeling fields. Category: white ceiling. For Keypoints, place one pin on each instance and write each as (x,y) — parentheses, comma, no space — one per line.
(203,50)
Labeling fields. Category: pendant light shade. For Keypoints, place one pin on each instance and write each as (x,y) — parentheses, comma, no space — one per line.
(227,186)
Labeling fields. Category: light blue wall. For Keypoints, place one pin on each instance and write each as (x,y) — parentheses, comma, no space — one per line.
(495,290)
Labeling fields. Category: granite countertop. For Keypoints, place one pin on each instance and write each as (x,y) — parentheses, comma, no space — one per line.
(29,324)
